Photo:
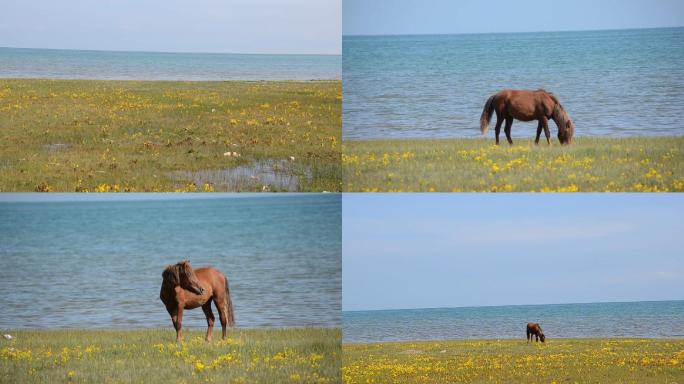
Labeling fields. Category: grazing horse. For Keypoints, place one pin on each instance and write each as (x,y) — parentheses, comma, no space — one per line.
(185,288)
(533,329)
(539,105)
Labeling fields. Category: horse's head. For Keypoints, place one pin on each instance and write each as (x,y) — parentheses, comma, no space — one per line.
(181,274)
(565,134)
(542,337)
(566,128)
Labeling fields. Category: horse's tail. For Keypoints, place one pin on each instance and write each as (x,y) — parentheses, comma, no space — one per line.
(486,115)
(230,317)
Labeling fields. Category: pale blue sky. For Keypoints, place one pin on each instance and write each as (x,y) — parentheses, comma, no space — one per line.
(393,17)
(232,26)
(451,250)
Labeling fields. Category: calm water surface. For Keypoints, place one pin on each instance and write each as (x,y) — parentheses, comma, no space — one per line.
(612,83)
(635,319)
(99,264)
(115,65)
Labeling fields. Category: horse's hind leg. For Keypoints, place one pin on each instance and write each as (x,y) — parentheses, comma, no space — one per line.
(539,131)
(210,319)
(223,315)
(497,129)
(507,129)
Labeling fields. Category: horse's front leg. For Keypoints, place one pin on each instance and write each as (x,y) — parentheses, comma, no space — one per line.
(210,319)
(173,312)
(179,323)
(507,129)
(545,123)
(497,128)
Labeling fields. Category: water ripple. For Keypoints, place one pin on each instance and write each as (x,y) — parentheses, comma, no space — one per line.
(613,83)
(99,264)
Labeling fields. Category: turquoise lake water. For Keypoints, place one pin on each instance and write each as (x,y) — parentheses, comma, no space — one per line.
(634,319)
(98,264)
(612,83)
(111,65)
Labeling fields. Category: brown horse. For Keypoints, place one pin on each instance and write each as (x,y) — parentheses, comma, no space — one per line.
(527,106)
(533,329)
(185,288)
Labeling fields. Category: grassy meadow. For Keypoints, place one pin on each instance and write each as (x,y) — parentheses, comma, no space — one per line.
(305,355)
(639,164)
(110,136)
(516,361)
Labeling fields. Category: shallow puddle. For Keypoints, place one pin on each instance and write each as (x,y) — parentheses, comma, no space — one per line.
(54,147)
(262,175)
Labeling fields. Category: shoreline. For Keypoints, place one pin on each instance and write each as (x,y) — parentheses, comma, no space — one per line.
(549,340)
(489,137)
(256,81)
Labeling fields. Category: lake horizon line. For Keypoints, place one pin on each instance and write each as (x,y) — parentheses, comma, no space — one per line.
(510,32)
(171,52)
(511,305)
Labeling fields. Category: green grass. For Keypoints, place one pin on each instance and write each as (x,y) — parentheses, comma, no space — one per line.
(644,164)
(83,135)
(306,355)
(516,361)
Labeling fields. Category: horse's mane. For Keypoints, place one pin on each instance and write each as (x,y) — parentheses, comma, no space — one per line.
(172,273)
(559,114)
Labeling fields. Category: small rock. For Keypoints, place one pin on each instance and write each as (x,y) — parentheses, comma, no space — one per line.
(442,351)
(8,337)
(292,158)
(265,188)
(213,110)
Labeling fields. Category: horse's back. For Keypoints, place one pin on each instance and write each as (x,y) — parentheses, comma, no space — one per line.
(214,278)
(210,274)
(533,327)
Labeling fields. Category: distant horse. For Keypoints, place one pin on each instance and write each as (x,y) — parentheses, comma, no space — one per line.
(527,106)
(533,329)
(185,288)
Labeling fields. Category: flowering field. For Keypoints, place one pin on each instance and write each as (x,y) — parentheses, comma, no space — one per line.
(110,136)
(307,355)
(645,164)
(516,361)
